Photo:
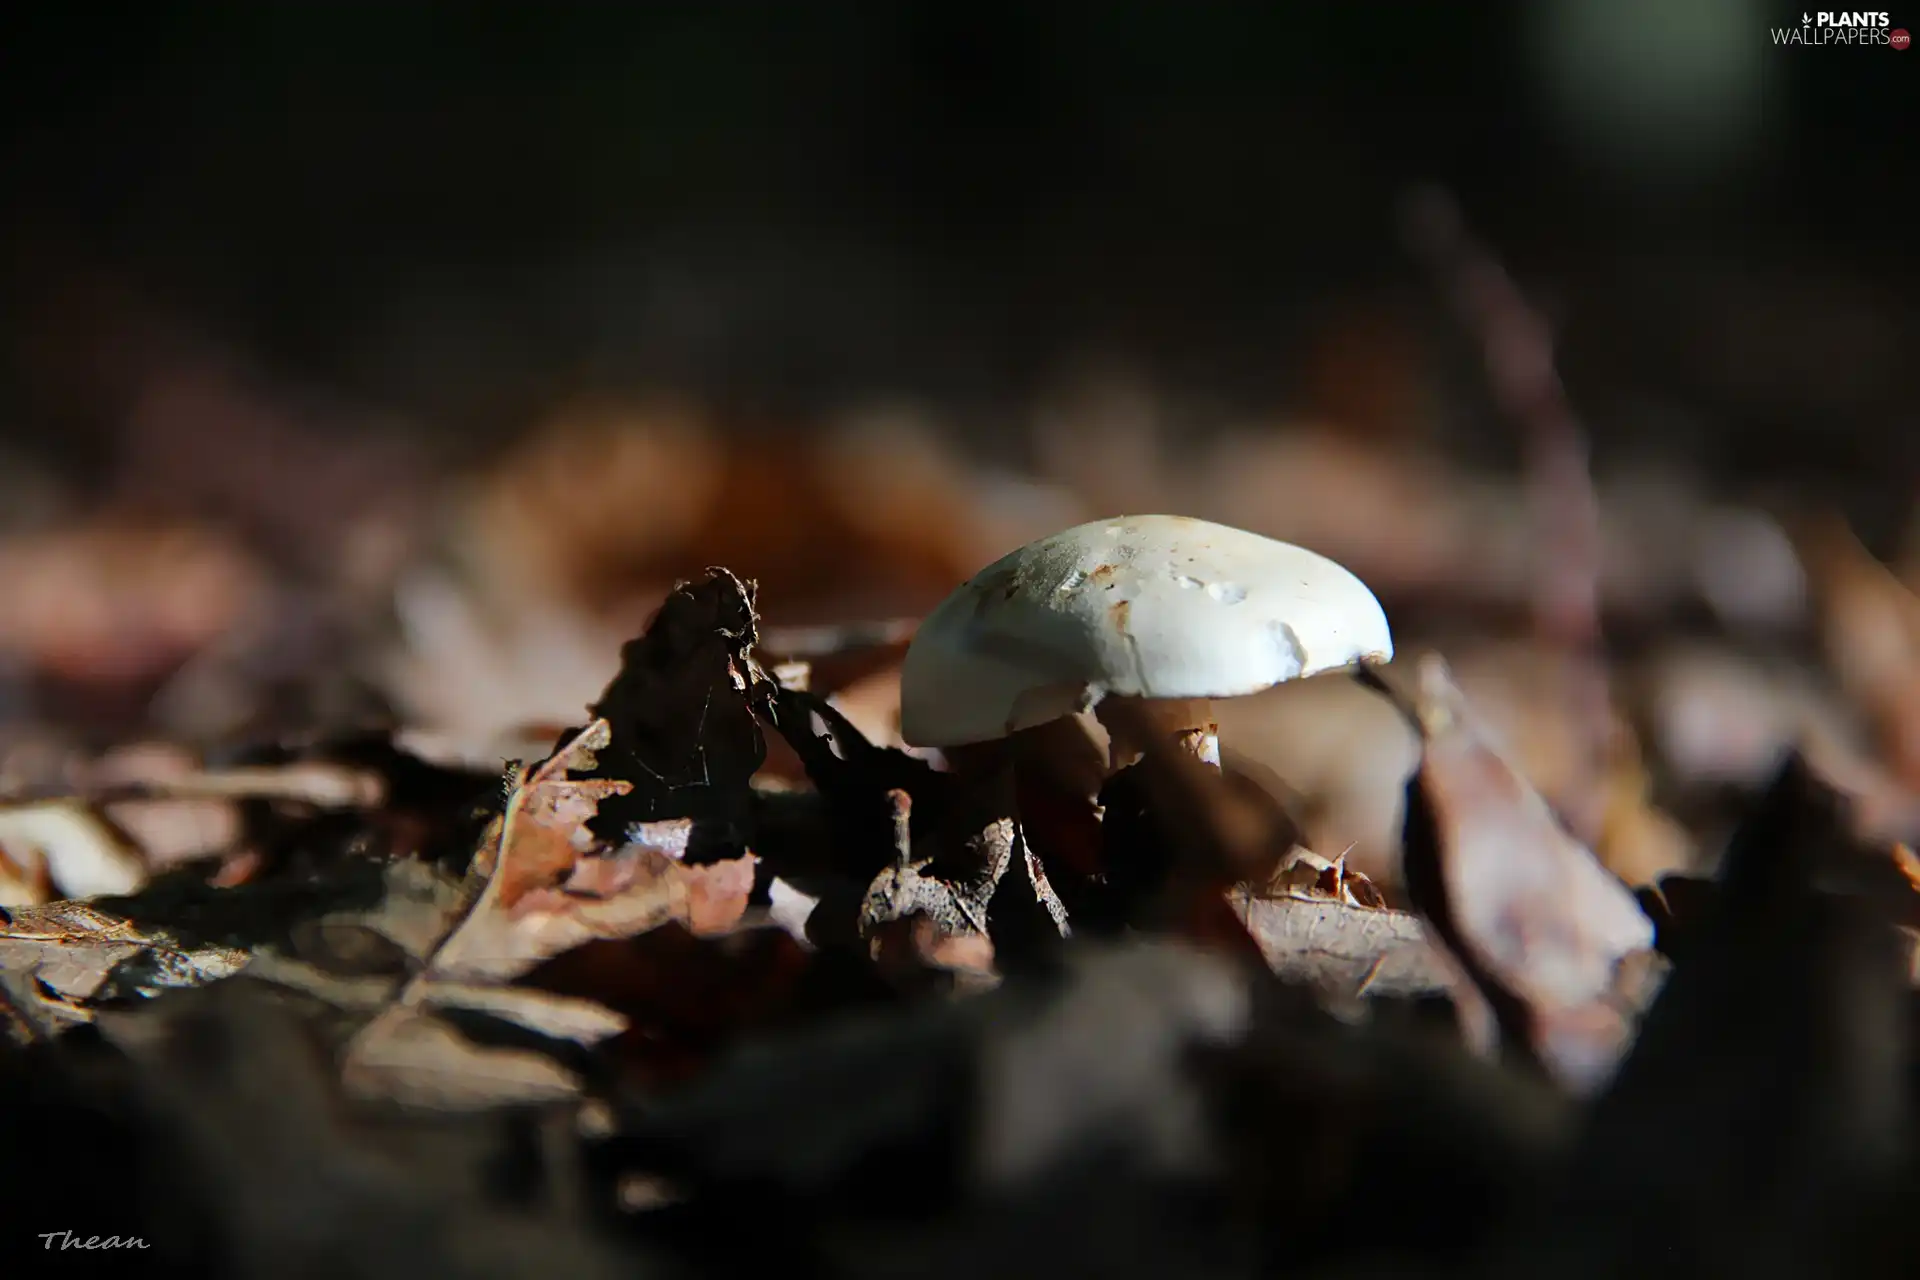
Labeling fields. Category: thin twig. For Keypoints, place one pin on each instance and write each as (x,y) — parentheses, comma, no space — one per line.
(833,639)
(1517,344)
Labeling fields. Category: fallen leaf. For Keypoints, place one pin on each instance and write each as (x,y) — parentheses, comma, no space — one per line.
(687,999)
(407,1055)
(1344,950)
(169,833)
(1535,920)
(78,953)
(1638,841)
(31,1010)
(1302,873)
(1764,1104)
(682,709)
(556,1017)
(84,856)
(239,1094)
(914,905)
(626,891)
(543,832)
(116,602)
(1870,631)
(468,672)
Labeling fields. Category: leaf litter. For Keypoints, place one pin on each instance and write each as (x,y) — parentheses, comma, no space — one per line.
(1537,960)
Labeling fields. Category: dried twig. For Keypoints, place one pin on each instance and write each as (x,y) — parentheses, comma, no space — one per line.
(834,639)
(1517,344)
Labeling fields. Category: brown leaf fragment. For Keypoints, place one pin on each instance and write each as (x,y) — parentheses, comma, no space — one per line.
(1043,890)
(24,885)
(1305,874)
(72,953)
(364,994)
(237,868)
(793,674)
(1764,1112)
(545,895)
(407,1055)
(556,1017)
(708,897)
(358,960)
(544,830)
(1870,631)
(956,905)
(915,954)
(646,882)
(1530,914)
(31,1010)
(686,998)
(320,783)
(83,855)
(1343,949)
(682,707)
(171,831)
(260,1155)
(1909,865)
(718,894)
(419,905)
(627,891)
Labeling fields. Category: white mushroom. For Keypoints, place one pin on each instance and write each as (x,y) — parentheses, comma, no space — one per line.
(1168,609)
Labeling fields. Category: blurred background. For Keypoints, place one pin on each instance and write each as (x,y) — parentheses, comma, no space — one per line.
(374,365)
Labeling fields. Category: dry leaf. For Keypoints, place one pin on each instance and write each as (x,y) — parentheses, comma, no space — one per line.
(469,672)
(1713,715)
(708,898)
(1638,842)
(77,953)
(1530,913)
(83,855)
(1302,873)
(408,1055)
(630,890)
(543,832)
(1765,1103)
(118,603)
(682,707)
(1870,629)
(1345,951)
(170,832)
(686,998)
(556,1017)
(914,888)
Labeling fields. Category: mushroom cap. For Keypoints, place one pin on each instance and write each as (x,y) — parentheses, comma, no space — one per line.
(1138,606)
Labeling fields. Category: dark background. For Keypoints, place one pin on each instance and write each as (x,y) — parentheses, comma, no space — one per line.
(462,211)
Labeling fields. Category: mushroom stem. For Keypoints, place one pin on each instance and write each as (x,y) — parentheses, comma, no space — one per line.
(1188,721)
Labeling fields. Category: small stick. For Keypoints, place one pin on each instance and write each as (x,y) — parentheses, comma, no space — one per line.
(834,639)
(902,805)
(1518,347)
